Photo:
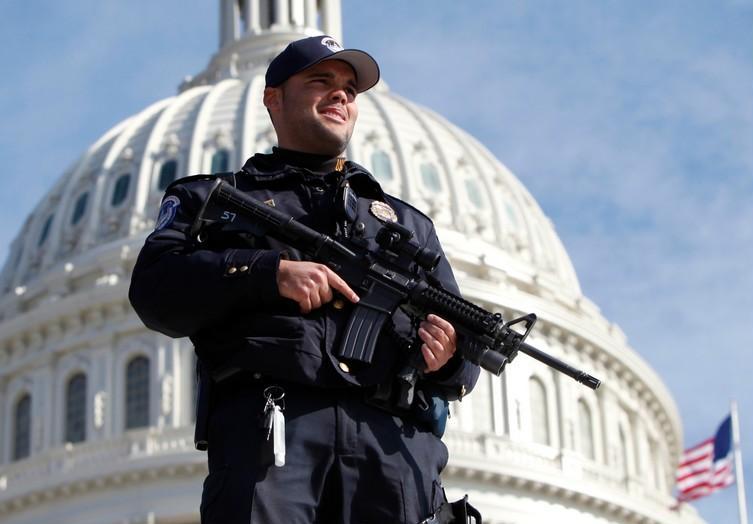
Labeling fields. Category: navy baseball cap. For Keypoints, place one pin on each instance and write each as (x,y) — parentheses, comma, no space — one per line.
(304,53)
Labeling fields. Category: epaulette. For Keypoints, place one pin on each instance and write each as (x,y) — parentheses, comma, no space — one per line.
(406,204)
(229,175)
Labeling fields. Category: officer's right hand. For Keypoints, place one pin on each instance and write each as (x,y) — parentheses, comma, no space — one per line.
(310,284)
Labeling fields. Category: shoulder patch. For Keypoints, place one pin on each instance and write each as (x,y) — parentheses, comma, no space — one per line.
(167,212)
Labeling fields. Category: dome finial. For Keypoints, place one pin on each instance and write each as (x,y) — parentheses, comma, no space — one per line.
(252,32)
(241,19)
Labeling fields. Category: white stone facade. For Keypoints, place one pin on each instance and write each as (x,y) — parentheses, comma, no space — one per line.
(531,446)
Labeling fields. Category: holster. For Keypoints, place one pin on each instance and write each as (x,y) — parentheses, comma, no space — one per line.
(458,512)
(203,399)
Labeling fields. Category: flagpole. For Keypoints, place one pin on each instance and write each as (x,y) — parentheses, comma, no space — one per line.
(741,505)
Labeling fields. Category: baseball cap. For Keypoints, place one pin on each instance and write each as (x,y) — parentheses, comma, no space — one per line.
(304,53)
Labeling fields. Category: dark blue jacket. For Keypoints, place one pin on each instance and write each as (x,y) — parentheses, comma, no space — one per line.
(222,293)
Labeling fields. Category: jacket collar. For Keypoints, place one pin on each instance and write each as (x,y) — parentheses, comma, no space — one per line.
(269,167)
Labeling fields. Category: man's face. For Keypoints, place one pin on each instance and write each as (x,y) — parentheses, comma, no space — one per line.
(315,110)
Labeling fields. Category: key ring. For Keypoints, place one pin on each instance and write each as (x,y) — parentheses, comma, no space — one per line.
(274,394)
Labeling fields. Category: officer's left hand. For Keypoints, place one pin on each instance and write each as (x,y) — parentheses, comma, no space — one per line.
(440,342)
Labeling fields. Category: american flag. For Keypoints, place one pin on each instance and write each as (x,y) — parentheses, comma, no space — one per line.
(706,467)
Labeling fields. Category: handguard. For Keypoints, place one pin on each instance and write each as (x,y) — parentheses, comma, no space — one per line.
(386,283)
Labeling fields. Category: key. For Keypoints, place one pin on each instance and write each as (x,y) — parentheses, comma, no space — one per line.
(274,422)
(268,420)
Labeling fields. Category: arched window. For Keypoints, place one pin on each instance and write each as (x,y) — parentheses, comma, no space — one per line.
(539,412)
(120,192)
(79,209)
(22,428)
(430,177)
(20,253)
(511,214)
(381,166)
(474,192)
(167,174)
(585,428)
(220,161)
(137,393)
(194,375)
(45,230)
(624,452)
(75,409)
(656,471)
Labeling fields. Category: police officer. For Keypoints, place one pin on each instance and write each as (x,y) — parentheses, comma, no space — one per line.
(293,434)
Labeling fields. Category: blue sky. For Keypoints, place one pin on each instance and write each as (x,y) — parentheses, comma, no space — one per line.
(631,122)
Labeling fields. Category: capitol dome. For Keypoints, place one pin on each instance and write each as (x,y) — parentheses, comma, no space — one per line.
(97,411)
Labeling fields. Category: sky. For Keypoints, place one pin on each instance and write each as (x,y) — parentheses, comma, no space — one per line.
(630,122)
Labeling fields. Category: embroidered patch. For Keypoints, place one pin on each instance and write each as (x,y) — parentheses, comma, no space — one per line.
(167,212)
(382,211)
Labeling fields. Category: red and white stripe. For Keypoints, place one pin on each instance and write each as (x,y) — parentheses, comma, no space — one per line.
(698,475)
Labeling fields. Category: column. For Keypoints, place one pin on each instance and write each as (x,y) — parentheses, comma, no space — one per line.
(252,15)
(228,25)
(310,14)
(332,19)
(297,13)
(281,14)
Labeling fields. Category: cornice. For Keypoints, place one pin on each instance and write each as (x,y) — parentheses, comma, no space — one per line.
(134,459)
(597,489)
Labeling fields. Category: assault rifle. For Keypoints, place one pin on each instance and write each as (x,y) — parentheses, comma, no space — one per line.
(384,283)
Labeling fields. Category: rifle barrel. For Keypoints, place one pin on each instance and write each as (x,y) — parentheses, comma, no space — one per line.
(545,358)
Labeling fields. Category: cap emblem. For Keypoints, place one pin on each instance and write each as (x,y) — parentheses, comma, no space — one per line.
(331,44)
(382,211)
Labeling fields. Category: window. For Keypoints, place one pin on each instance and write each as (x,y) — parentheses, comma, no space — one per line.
(22,428)
(381,165)
(220,161)
(137,393)
(656,470)
(624,452)
(272,13)
(430,177)
(167,174)
(79,209)
(120,192)
(18,257)
(474,193)
(194,385)
(539,412)
(511,214)
(585,428)
(75,409)
(45,230)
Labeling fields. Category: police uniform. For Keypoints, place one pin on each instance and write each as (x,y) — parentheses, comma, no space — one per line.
(347,460)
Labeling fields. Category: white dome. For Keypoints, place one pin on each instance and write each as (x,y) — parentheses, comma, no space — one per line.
(418,155)
(519,445)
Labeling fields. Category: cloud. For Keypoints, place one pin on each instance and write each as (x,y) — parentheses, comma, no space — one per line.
(630,122)
(69,87)
(633,128)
